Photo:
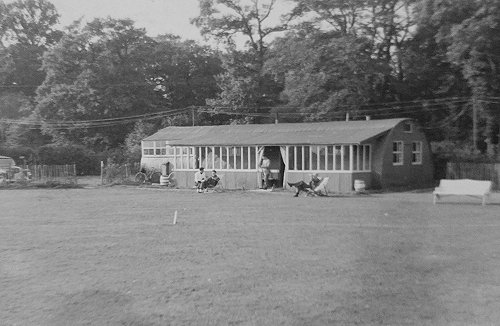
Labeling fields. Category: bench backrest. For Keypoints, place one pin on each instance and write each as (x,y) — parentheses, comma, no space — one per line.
(465,186)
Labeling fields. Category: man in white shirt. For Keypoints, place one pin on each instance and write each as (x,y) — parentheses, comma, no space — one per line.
(265,165)
(199,179)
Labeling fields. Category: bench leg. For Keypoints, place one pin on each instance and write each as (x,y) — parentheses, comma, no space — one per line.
(435,199)
(484,200)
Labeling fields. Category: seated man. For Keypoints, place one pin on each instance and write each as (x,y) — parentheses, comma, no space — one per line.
(199,179)
(211,181)
(302,186)
(315,181)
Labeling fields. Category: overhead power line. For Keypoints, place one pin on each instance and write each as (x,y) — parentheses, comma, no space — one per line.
(399,109)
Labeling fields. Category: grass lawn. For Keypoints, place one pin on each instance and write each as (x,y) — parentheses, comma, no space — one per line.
(111,256)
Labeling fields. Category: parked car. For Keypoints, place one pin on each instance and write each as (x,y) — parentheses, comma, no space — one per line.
(14,174)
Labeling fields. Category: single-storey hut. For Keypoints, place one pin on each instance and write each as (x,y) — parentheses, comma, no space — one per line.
(381,153)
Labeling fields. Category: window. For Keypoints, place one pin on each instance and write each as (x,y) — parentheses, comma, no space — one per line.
(291,158)
(408,127)
(397,153)
(338,158)
(367,160)
(329,158)
(416,152)
(148,148)
(216,157)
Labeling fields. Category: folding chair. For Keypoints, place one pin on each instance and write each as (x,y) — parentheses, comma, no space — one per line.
(218,187)
(321,188)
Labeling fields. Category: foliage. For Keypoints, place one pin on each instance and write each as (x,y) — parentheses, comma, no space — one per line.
(87,161)
(322,59)
(319,79)
(245,87)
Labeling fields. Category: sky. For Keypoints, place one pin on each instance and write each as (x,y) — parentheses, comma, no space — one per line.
(156,16)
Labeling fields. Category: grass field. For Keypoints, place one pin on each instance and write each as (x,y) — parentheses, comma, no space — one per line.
(111,256)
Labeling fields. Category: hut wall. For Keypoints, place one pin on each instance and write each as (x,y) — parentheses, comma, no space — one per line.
(407,174)
(229,179)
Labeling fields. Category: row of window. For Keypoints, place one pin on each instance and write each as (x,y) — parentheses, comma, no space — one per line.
(398,152)
(330,158)
(299,158)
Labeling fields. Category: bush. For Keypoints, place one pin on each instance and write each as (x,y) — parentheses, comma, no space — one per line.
(459,152)
(16,152)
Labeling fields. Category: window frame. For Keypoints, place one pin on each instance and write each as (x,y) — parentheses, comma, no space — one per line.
(400,153)
(418,152)
(337,158)
(410,127)
(245,163)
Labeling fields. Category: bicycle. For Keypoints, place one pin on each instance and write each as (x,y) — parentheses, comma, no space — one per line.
(144,176)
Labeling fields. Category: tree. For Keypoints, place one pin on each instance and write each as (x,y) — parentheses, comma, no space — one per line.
(98,71)
(326,74)
(133,140)
(245,87)
(386,24)
(475,48)
(467,33)
(183,73)
(27,29)
(109,69)
(30,22)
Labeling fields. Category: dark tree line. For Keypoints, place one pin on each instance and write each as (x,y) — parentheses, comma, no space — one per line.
(433,60)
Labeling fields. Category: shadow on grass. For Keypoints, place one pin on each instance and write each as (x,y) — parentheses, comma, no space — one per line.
(45,185)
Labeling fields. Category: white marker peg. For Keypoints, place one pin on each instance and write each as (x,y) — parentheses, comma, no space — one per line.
(175,218)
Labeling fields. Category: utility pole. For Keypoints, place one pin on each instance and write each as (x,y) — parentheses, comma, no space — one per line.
(474,123)
(192,115)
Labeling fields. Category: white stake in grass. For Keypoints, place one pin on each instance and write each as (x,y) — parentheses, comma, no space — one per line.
(175,218)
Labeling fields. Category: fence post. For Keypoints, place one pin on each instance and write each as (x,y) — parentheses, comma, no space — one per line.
(102,173)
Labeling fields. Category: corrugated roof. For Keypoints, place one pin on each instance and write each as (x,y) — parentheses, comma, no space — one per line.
(338,132)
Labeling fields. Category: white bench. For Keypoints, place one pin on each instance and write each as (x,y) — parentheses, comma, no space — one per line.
(463,187)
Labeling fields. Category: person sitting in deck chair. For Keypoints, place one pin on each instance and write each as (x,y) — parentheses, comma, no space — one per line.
(199,179)
(211,182)
(307,187)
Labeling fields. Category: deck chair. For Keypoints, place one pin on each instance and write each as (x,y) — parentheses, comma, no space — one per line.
(321,188)
(218,187)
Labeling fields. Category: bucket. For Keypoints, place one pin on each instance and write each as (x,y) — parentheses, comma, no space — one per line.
(359,185)
(164,181)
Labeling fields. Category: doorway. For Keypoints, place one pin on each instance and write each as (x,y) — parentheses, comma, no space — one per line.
(277,167)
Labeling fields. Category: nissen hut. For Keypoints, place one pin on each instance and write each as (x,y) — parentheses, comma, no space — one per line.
(382,153)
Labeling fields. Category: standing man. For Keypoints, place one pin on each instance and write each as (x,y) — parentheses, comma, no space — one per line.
(265,164)
(199,179)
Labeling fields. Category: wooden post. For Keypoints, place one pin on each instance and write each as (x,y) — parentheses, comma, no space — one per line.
(102,173)
(74,173)
(474,124)
(175,218)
